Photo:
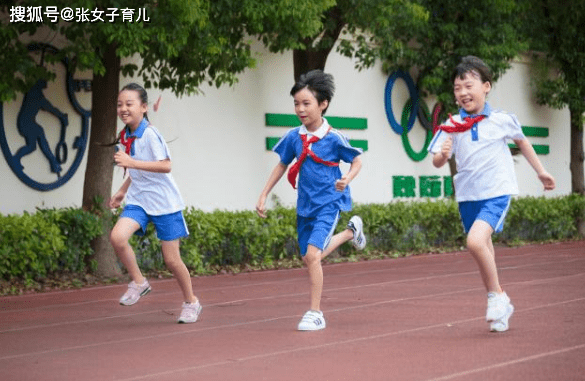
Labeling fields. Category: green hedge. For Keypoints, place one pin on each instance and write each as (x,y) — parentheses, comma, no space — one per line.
(56,240)
(51,240)
(225,239)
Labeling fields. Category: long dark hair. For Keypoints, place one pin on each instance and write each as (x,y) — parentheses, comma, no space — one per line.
(143,95)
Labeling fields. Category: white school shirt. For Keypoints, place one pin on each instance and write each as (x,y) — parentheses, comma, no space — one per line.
(156,193)
(485,168)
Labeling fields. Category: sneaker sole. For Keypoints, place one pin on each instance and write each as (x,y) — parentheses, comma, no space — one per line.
(310,329)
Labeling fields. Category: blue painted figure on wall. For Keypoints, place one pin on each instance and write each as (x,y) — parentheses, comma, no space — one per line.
(33,102)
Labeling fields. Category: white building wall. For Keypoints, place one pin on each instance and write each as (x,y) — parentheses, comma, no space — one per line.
(217,139)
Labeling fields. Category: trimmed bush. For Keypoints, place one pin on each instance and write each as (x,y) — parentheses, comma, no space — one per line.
(223,239)
(53,240)
(58,240)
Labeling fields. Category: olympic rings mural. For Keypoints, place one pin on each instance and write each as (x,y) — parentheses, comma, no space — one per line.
(414,108)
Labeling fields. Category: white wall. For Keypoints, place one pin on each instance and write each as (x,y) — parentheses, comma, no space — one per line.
(217,139)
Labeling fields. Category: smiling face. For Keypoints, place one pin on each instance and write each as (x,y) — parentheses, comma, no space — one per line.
(471,92)
(130,108)
(308,109)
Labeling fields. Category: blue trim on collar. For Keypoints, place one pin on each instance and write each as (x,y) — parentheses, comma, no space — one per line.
(487,109)
(141,128)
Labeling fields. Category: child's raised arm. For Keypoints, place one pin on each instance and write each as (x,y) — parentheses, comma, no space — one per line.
(440,158)
(275,176)
(124,160)
(526,148)
(354,169)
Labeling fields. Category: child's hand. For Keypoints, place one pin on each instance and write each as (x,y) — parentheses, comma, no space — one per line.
(446,147)
(116,200)
(547,180)
(261,207)
(341,184)
(122,159)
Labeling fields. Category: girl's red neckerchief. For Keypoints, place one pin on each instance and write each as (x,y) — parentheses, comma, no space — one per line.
(127,143)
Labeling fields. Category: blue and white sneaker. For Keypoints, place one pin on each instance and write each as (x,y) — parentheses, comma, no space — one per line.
(357,226)
(312,321)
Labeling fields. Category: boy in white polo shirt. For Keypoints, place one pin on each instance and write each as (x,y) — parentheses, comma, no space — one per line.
(323,191)
(485,179)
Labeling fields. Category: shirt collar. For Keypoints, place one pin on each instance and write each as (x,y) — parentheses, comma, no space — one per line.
(487,109)
(141,128)
(320,133)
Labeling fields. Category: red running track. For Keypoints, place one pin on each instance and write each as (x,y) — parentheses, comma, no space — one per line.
(417,318)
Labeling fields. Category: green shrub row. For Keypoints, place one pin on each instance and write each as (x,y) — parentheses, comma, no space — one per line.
(35,245)
(221,239)
(51,240)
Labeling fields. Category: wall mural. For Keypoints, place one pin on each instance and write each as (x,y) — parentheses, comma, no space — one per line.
(33,103)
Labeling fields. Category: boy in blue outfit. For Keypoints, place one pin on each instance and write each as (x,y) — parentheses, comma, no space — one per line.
(323,192)
(485,179)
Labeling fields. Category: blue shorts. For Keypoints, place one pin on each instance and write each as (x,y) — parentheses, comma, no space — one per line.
(169,227)
(317,231)
(493,211)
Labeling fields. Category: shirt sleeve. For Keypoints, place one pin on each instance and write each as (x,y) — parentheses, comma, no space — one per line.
(157,146)
(437,142)
(514,128)
(347,153)
(285,147)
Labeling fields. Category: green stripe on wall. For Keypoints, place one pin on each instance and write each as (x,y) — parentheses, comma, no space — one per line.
(535,131)
(291,120)
(271,142)
(363,144)
(540,149)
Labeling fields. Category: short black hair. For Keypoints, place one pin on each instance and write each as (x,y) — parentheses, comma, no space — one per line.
(472,64)
(319,83)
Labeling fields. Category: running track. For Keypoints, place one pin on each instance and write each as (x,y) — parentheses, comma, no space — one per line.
(418,318)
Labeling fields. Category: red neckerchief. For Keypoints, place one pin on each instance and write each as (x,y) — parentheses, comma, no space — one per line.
(296,167)
(127,143)
(459,127)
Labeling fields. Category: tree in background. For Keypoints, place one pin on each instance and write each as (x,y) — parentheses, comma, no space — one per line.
(360,29)
(185,44)
(557,39)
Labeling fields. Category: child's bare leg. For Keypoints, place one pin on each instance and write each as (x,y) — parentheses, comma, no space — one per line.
(479,243)
(175,264)
(336,241)
(119,237)
(313,261)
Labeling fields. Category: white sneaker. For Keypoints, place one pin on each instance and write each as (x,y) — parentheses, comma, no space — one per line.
(190,312)
(312,321)
(499,311)
(134,292)
(357,226)
(501,325)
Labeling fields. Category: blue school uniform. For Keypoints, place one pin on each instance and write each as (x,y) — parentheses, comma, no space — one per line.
(316,183)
